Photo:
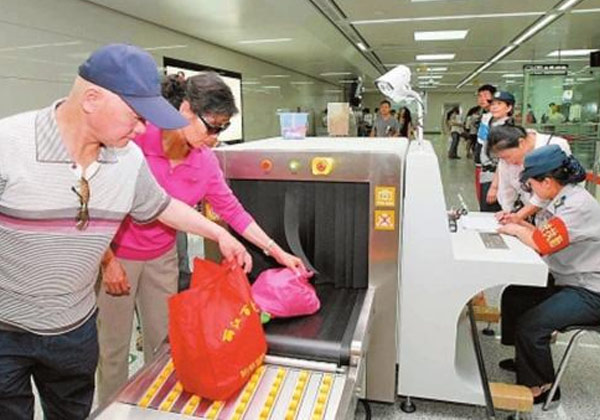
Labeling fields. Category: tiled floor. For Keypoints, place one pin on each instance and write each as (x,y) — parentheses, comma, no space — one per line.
(580,385)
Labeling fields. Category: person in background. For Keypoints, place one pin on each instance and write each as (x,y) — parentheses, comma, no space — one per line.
(185,166)
(530,116)
(454,125)
(367,122)
(500,113)
(470,129)
(68,177)
(567,235)
(385,125)
(405,121)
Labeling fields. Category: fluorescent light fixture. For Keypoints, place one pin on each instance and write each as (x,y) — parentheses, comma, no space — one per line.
(535,29)
(585,79)
(347,81)
(503,53)
(585,11)
(36,46)
(276,76)
(361,46)
(265,41)
(567,4)
(302,83)
(250,82)
(440,35)
(512,75)
(433,57)
(432,76)
(165,47)
(336,73)
(451,17)
(332,91)
(437,69)
(570,53)
(272,87)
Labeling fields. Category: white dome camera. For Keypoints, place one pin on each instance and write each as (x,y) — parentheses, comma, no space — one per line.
(395,84)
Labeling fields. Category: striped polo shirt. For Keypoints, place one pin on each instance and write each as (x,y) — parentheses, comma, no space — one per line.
(48,268)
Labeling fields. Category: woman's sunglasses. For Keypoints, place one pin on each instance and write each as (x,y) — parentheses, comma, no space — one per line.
(83,216)
(214,129)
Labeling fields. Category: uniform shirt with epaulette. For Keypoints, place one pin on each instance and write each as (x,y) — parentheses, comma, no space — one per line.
(568,236)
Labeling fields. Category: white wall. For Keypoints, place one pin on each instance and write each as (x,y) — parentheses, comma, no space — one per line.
(43,42)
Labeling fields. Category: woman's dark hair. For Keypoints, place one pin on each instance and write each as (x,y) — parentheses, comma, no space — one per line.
(452,111)
(570,172)
(206,92)
(407,121)
(473,110)
(505,136)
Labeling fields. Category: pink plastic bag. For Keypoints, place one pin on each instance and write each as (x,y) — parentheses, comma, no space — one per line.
(282,293)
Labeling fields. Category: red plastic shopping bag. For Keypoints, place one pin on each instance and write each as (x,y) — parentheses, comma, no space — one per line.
(282,293)
(217,340)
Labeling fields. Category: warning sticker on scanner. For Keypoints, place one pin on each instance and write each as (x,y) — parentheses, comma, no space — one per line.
(385,196)
(385,219)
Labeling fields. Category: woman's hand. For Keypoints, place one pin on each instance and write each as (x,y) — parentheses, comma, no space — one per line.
(233,251)
(288,260)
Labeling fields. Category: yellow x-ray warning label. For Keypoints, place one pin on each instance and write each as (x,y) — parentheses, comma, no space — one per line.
(385,196)
(385,219)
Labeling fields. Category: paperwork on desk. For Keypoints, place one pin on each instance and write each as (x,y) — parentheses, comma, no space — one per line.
(481,222)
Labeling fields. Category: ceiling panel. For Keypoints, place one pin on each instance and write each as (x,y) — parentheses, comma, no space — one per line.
(317,46)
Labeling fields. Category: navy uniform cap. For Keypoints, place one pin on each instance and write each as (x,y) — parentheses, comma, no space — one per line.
(542,160)
(131,73)
(504,97)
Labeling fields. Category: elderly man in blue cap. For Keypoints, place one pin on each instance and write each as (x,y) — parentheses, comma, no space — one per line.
(68,177)
(567,235)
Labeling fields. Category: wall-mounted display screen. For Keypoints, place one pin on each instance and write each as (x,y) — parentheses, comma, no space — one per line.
(235,132)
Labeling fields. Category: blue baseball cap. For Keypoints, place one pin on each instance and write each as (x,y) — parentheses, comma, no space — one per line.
(131,73)
(505,97)
(543,160)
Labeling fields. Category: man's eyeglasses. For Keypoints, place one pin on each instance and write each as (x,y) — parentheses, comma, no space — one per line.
(214,129)
(83,215)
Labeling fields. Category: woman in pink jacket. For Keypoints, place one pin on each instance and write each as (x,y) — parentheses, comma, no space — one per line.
(188,170)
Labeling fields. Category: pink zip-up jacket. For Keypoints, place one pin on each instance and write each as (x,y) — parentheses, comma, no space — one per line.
(197,178)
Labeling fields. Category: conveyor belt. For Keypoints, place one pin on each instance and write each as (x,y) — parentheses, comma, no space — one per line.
(272,393)
(325,336)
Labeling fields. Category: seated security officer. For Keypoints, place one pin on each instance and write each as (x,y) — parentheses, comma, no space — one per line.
(567,235)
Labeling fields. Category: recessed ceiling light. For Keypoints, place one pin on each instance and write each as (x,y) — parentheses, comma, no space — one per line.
(361,46)
(450,17)
(265,41)
(433,57)
(440,35)
(276,76)
(336,73)
(570,53)
(165,47)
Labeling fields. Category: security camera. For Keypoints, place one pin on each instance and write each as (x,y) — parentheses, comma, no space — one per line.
(395,84)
